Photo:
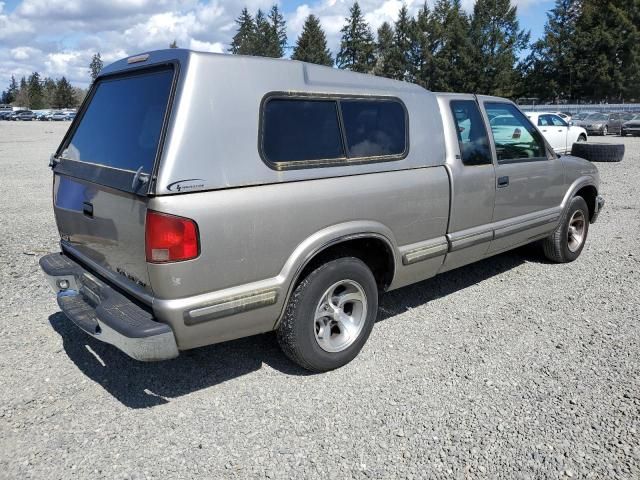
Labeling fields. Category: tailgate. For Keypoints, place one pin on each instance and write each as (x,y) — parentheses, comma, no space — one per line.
(103,224)
(104,169)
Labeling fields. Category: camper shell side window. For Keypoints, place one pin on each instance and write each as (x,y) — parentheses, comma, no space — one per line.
(315,130)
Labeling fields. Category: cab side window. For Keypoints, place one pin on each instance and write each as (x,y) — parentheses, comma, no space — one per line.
(472,133)
(557,121)
(516,139)
(544,121)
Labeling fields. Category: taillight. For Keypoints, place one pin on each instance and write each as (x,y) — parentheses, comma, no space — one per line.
(169,238)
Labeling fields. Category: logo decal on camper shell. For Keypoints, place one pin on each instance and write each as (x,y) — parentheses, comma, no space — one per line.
(186,185)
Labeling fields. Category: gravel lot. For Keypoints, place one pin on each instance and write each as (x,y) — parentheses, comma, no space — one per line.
(512,368)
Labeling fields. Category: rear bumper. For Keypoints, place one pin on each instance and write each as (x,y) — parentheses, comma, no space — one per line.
(105,313)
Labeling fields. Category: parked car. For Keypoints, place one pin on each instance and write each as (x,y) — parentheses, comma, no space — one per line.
(579,117)
(42,116)
(602,123)
(4,115)
(57,116)
(23,116)
(70,115)
(290,206)
(631,126)
(560,134)
(565,116)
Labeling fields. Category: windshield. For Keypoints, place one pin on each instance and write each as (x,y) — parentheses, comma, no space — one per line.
(597,116)
(122,124)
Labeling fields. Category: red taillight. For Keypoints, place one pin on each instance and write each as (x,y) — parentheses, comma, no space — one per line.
(169,238)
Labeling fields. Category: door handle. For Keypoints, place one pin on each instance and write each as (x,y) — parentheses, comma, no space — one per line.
(503,181)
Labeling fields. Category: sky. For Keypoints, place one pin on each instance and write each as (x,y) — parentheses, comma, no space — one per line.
(59,37)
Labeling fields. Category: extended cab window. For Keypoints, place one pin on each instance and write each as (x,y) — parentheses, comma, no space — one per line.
(513,134)
(374,128)
(301,130)
(472,133)
(121,126)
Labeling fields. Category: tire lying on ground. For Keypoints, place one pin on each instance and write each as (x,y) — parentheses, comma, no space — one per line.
(598,152)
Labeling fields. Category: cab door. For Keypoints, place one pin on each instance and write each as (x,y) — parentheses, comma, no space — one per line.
(530,180)
(472,173)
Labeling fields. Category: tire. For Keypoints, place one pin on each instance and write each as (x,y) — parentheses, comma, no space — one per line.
(598,152)
(565,244)
(582,138)
(321,343)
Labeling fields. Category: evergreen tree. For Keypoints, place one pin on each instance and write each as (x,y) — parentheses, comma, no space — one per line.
(356,45)
(496,40)
(36,96)
(12,91)
(173,44)
(275,34)
(312,44)
(452,63)
(244,39)
(64,94)
(549,69)
(95,66)
(260,45)
(607,56)
(424,40)
(384,46)
(400,54)
(22,97)
(49,89)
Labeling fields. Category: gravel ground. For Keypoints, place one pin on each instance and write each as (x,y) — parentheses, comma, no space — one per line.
(512,368)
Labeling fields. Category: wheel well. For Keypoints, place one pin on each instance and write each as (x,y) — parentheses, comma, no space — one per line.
(374,252)
(589,194)
(582,135)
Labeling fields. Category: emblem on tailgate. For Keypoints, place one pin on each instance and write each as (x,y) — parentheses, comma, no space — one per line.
(182,185)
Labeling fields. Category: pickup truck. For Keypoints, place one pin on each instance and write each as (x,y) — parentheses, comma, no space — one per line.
(203,197)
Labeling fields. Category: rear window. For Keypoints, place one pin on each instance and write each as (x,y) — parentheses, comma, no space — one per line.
(122,124)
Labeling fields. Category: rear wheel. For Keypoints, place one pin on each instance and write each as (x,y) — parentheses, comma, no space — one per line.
(566,243)
(330,315)
(582,138)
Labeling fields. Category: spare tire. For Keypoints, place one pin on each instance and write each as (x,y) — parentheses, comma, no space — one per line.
(598,152)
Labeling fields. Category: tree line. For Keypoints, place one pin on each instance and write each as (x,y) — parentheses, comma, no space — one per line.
(590,50)
(36,93)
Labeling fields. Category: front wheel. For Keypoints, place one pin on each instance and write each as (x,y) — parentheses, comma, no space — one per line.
(330,315)
(566,243)
(605,131)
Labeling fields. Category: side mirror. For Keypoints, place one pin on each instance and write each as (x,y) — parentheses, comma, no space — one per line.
(571,123)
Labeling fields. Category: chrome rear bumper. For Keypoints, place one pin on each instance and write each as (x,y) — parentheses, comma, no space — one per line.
(105,313)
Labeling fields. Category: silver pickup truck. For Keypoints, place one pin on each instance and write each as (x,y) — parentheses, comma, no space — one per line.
(203,197)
